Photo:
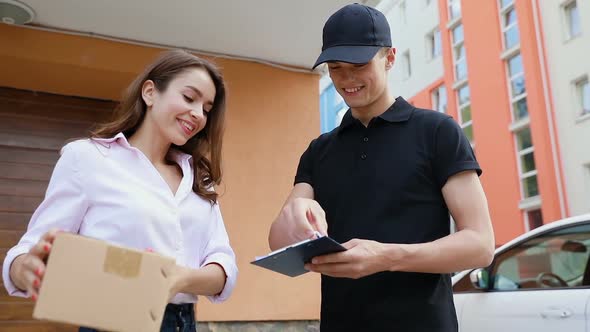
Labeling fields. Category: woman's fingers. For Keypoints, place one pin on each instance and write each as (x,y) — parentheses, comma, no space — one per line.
(41,249)
(27,270)
(35,266)
(33,283)
(50,235)
(31,274)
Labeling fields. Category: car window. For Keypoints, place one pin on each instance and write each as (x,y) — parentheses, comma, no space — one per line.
(556,259)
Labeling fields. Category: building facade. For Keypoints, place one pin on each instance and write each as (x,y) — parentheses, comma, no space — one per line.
(566,32)
(511,74)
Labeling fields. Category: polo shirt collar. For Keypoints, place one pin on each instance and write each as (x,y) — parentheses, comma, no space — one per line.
(400,111)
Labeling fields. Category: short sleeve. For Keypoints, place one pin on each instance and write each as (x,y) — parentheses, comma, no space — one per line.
(305,168)
(452,153)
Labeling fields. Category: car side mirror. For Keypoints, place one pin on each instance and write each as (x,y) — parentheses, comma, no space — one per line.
(573,246)
(480,278)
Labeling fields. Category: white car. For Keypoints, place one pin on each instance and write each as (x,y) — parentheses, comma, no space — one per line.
(539,282)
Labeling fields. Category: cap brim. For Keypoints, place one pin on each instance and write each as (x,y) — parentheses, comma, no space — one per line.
(349,54)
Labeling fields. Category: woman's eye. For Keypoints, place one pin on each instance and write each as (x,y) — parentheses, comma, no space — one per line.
(187,98)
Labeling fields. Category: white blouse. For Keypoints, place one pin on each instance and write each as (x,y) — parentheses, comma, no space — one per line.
(109,190)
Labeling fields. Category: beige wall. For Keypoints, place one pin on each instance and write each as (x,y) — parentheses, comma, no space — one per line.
(409,34)
(272,115)
(566,63)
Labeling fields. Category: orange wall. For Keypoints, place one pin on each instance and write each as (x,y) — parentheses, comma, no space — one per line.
(447,52)
(490,101)
(423,99)
(494,143)
(490,111)
(272,116)
(540,122)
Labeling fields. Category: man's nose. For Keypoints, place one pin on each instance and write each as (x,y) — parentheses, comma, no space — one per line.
(349,74)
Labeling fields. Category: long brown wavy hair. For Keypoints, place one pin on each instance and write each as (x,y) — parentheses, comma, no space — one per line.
(205,146)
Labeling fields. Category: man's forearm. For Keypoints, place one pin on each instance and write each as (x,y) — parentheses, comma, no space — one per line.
(456,252)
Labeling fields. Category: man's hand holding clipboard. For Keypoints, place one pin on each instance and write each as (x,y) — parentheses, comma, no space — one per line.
(291,260)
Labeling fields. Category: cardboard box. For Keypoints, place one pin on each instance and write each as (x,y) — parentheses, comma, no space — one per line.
(93,284)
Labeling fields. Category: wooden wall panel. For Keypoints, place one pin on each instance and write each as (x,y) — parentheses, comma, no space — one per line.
(33,128)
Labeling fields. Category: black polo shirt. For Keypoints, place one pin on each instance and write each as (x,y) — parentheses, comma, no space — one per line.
(383,182)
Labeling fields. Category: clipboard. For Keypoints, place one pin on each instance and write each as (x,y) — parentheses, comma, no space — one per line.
(291,259)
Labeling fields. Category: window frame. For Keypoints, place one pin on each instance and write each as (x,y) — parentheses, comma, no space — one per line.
(431,43)
(516,98)
(450,4)
(407,64)
(435,98)
(579,85)
(463,59)
(460,108)
(527,217)
(567,19)
(403,11)
(519,154)
(505,28)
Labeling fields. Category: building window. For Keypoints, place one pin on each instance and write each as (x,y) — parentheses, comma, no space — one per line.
(439,99)
(517,87)
(505,3)
(402,10)
(587,185)
(509,25)
(407,65)
(464,98)
(433,44)
(332,109)
(534,219)
(526,161)
(459,53)
(454,9)
(583,97)
(572,19)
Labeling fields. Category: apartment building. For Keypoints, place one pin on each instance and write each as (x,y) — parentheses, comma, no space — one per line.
(511,73)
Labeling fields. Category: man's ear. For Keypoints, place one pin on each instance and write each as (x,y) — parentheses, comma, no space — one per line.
(390,58)
(148,92)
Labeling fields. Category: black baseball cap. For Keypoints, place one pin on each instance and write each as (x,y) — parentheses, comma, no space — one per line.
(354,34)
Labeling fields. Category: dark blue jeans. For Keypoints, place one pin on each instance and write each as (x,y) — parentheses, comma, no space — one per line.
(177,318)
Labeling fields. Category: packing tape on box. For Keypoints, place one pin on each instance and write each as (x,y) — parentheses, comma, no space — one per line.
(122,262)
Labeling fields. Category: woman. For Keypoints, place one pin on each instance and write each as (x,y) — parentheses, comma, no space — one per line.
(146,181)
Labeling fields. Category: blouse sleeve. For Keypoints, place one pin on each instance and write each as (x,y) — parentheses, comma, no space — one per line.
(218,251)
